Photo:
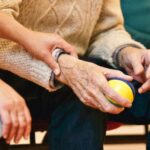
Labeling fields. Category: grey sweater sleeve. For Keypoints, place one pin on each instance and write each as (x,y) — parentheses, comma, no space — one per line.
(16,60)
(109,34)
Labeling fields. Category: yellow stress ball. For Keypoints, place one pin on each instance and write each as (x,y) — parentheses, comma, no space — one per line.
(123,88)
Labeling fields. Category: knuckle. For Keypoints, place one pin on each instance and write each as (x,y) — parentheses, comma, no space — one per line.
(125,103)
(117,111)
(15,124)
(118,72)
(22,100)
(108,109)
(93,92)
(7,106)
(86,98)
(22,124)
(7,123)
(87,101)
(44,54)
(111,95)
(19,103)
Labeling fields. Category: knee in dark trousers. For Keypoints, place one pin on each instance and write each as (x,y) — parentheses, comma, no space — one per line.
(75,126)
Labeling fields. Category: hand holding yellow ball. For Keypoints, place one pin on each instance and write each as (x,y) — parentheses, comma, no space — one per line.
(123,88)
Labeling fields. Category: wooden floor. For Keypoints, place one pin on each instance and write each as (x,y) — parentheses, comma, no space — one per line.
(126,130)
(125,147)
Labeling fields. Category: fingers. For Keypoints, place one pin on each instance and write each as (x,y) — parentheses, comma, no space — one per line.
(94,97)
(48,59)
(110,73)
(137,67)
(148,72)
(132,59)
(145,87)
(28,120)
(84,97)
(14,126)
(21,127)
(107,107)
(6,124)
(69,49)
(62,44)
(119,74)
(24,127)
(99,100)
(147,64)
(12,104)
(111,94)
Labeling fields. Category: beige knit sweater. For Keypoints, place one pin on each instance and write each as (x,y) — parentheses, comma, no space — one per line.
(91,26)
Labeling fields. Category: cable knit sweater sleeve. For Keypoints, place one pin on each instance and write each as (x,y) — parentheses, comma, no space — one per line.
(10,7)
(15,59)
(109,34)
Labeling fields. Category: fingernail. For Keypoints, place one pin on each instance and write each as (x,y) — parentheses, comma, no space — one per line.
(129,105)
(26,137)
(56,72)
(140,90)
(16,141)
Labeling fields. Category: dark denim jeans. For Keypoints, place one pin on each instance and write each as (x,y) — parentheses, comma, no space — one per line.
(139,113)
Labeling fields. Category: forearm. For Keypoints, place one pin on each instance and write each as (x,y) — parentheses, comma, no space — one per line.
(109,34)
(12,30)
(14,59)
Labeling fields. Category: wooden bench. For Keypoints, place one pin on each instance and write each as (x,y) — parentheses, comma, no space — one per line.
(110,139)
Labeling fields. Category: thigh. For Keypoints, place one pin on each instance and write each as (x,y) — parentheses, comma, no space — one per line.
(75,126)
(139,113)
(72,125)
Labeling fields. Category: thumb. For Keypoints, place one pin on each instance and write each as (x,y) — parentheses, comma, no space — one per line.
(137,67)
(50,61)
(145,87)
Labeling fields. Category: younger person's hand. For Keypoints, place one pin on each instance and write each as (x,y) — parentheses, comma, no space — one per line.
(14,114)
(137,64)
(41,45)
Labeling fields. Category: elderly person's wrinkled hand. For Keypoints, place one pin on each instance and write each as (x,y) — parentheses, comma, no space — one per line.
(14,114)
(137,64)
(89,82)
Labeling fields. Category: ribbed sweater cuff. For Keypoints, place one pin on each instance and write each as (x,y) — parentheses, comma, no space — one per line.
(115,55)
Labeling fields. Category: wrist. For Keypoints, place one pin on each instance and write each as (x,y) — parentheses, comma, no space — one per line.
(67,65)
(67,61)
(122,51)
